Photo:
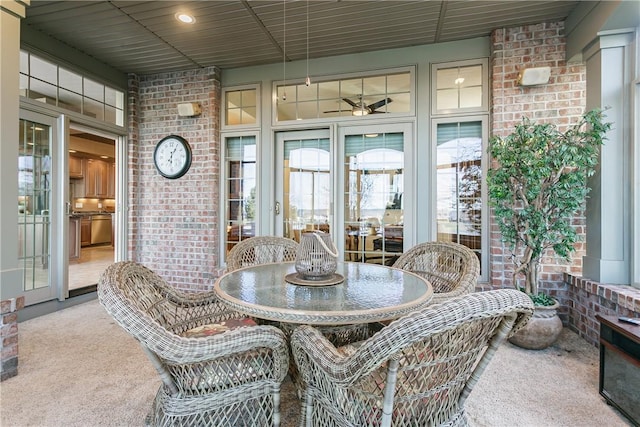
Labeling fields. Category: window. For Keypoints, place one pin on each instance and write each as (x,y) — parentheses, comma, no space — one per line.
(459,183)
(460,87)
(349,97)
(46,82)
(240,186)
(241,107)
(460,106)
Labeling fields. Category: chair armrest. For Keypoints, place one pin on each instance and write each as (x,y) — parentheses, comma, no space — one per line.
(178,349)
(192,309)
(313,351)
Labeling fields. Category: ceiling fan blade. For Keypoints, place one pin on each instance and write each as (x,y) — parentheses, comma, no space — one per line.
(337,111)
(375,105)
(350,102)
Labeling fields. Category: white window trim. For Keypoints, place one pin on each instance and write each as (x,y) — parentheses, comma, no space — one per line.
(223,117)
(485,223)
(222,189)
(484,62)
(351,119)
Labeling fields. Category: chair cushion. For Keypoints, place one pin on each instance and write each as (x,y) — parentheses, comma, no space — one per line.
(218,328)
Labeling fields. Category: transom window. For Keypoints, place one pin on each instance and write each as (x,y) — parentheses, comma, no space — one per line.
(47,82)
(241,107)
(460,87)
(349,97)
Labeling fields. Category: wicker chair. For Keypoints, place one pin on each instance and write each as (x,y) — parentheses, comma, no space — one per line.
(417,371)
(451,268)
(227,378)
(261,250)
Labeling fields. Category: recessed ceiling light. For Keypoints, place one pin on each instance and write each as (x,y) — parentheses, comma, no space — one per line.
(185,18)
(72,151)
(104,157)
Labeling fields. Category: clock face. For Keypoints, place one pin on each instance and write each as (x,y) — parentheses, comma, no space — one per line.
(172,156)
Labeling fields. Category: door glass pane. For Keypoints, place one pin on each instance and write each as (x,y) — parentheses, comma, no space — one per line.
(306,186)
(34,201)
(241,189)
(374,186)
(459,183)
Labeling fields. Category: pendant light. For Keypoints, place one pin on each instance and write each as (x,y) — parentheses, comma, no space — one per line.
(307,81)
(284,50)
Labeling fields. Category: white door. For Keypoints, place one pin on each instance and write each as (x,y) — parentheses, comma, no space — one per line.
(303,182)
(38,214)
(354,189)
(376,204)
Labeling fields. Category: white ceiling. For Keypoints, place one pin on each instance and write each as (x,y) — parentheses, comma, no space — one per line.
(144,37)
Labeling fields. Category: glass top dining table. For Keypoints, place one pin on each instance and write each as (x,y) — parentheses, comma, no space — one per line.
(369,293)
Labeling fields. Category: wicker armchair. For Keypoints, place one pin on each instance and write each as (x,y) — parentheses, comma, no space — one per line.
(451,268)
(231,377)
(417,371)
(261,250)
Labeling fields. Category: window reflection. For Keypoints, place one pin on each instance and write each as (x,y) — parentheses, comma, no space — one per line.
(49,83)
(34,201)
(307,186)
(459,183)
(241,107)
(241,189)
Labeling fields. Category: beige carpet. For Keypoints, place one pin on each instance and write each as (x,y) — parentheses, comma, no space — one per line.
(78,368)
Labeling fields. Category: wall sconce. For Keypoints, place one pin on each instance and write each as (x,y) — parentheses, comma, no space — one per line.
(533,76)
(189,109)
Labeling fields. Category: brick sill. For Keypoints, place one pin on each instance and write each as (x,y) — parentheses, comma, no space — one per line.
(624,297)
(586,298)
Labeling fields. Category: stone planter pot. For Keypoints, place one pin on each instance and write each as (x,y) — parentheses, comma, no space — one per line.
(543,329)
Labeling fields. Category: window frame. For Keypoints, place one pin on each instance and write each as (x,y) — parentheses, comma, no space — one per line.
(224,200)
(223,119)
(484,159)
(411,70)
(484,107)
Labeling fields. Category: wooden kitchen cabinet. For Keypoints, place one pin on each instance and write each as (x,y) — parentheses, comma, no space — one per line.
(111,184)
(85,231)
(96,182)
(74,238)
(76,167)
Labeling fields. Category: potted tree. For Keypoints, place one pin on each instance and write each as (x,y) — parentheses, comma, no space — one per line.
(536,184)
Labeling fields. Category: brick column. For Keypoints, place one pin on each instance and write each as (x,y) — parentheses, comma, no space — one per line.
(561,102)
(9,334)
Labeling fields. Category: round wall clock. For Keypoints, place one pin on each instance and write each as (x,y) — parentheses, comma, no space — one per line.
(172,156)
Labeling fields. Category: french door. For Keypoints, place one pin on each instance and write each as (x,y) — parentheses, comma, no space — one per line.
(355,188)
(38,212)
(303,182)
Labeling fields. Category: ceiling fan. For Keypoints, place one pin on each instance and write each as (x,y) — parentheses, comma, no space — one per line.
(359,108)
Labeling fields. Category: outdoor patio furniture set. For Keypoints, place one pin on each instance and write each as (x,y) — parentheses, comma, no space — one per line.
(222,365)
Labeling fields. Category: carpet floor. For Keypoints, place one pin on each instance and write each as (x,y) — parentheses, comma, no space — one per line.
(77,367)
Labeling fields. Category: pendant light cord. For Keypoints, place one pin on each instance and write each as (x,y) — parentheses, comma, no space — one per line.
(284,50)
(307,80)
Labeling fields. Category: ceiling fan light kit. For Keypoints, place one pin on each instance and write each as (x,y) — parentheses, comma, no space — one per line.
(359,108)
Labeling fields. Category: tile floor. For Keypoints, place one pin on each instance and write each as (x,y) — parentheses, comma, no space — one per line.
(86,270)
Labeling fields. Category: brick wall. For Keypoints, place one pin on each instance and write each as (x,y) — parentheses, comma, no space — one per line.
(9,334)
(174,223)
(561,101)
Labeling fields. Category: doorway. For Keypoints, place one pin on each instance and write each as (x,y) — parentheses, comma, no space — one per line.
(353,188)
(92,206)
